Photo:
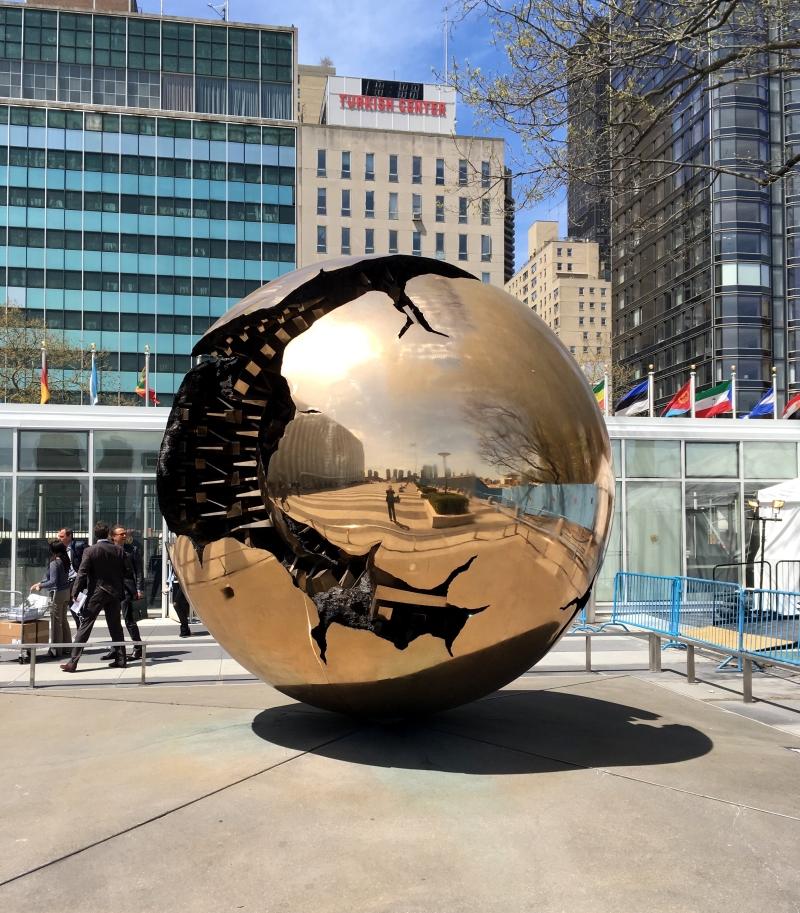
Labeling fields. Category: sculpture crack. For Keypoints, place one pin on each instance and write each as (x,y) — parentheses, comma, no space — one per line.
(392,609)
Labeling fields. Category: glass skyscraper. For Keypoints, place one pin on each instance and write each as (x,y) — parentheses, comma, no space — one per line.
(147,178)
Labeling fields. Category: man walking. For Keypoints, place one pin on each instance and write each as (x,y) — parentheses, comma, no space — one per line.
(101,574)
(391,499)
(74,549)
(134,584)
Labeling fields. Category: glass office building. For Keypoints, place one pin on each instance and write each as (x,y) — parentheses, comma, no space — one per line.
(682,488)
(147,178)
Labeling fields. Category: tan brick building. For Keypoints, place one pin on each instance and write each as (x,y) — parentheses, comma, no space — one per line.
(560,282)
(368,190)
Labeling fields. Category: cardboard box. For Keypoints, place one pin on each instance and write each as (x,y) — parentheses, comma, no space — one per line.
(30,632)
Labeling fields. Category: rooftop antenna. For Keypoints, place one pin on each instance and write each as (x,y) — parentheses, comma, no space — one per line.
(446,30)
(221,9)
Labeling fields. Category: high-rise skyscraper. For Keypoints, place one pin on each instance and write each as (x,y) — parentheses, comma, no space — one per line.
(706,260)
(147,175)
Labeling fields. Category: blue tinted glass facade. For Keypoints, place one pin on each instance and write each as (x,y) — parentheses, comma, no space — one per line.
(126,230)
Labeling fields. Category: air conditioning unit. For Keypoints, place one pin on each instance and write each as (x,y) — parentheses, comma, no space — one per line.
(417,216)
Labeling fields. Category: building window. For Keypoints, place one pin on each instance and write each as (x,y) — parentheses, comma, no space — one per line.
(485,175)
(462,210)
(580,321)
(440,172)
(580,290)
(439,245)
(462,247)
(322,239)
(416,169)
(369,204)
(322,201)
(486,248)
(345,202)
(345,164)
(393,169)
(416,206)
(486,218)
(392,240)
(345,240)
(440,209)
(369,240)
(393,206)
(486,278)
(321,163)
(569,267)
(462,172)
(369,166)
(559,267)
(416,243)
(558,251)
(569,251)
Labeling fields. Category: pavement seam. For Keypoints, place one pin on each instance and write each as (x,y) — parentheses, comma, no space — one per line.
(604,770)
(177,808)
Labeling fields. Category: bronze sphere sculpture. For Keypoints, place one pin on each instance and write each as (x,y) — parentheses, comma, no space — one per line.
(390,484)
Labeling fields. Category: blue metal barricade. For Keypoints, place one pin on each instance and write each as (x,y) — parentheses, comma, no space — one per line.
(770,625)
(708,612)
(645,601)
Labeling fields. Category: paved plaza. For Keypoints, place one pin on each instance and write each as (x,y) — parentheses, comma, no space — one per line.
(616,790)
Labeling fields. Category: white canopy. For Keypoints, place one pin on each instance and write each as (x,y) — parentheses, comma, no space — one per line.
(782,538)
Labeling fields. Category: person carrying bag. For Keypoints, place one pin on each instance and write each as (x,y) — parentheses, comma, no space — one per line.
(57,581)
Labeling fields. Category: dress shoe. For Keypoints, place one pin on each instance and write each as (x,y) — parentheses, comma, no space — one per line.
(71,666)
(119,663)
(185,632)
(136,654)
(109,654)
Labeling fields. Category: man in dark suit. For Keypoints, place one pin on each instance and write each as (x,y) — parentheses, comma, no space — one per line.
(101,574)
(74,549)
(134,586)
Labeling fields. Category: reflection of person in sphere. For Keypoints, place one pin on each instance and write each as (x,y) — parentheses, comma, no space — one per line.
(391,498)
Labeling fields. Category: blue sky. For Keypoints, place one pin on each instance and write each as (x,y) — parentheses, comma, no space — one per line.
(365,38)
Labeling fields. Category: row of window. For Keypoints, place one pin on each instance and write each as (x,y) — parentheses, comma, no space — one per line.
(112,243)
(416,243)
(393,175)
(141,204)
(113,85)
(152,44)
(115,322)
(56,119)
(393,207)
(114,163)
(202,286)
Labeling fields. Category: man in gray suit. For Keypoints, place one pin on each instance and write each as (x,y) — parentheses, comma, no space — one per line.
(101,574)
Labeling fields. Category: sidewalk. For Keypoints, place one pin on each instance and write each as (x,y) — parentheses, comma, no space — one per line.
(562,793)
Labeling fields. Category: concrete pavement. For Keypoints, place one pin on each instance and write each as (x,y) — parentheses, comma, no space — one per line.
(612,791)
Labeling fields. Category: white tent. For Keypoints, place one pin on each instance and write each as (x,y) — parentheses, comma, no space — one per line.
(782,538)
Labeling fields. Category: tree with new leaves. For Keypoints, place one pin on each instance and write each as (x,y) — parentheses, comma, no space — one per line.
(595,89)
(21,338)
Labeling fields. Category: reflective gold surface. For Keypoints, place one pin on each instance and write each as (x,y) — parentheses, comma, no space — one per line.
(273,473)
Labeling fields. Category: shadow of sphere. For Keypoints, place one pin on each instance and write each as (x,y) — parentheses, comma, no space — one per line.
(512,732)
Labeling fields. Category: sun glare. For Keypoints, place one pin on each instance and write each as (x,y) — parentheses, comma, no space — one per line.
(328,351)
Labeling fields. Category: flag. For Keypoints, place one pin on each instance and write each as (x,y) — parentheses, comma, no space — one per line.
(93,384)
(792,409)
(44,395)
(681,403)
(141,388)
(713,401)
(765,406)
(599,391)
(634,402)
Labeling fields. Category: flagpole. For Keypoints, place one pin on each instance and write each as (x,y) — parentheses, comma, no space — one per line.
(774,392)
(146,376)
(92,389)
(692,383)
(651,406)
(733,390)
(44,380)
(607,391)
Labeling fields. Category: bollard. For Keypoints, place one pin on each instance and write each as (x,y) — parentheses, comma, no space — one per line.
(655,653)
(690,664)
(144,663)
(32,682)
(588,652)
(747,681)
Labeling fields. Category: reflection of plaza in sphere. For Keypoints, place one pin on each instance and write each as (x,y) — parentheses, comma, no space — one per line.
(310,576)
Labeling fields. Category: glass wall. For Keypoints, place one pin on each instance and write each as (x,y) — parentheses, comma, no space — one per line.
(142,62)
(126,231)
